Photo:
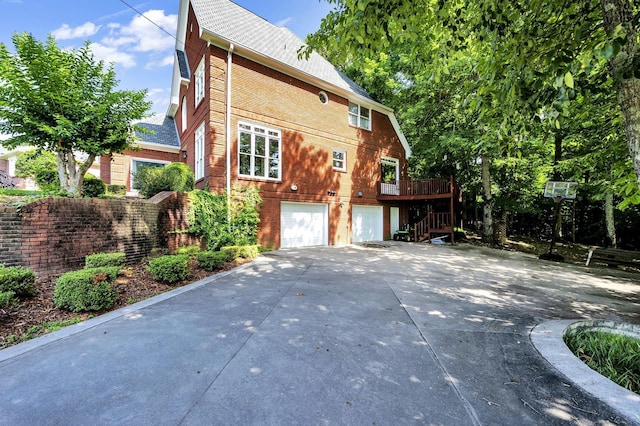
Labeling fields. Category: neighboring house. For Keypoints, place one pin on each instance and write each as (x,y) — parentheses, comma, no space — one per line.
(330,161)
(158,146)
(8,160)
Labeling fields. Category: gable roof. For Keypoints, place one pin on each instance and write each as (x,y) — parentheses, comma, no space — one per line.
(162,133)
(225,20)
(228,25)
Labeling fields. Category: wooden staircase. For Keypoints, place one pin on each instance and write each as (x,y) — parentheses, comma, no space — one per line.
(434,223)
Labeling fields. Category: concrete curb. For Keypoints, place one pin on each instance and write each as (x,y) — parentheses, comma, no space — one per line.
(547,339)
(65,332)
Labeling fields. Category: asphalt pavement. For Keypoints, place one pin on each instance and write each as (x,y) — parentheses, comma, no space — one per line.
(388,333)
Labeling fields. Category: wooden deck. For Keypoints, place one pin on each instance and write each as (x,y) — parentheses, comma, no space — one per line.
(422,189)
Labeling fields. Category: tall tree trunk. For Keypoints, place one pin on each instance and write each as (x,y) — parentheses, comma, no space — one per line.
(610,223)
(487,216)
(620,13)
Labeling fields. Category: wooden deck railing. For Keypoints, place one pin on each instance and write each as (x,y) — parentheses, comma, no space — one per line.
(433,223)
(416,187)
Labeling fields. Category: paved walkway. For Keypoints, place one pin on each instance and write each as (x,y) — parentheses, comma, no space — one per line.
(400,334)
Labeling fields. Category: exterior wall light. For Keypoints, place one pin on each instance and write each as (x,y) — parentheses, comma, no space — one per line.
(359,194)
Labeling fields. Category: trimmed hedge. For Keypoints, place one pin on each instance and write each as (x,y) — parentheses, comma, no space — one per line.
(245,252)
(88,289)
(93,187)
(211,260)
(100,260)
(19,280)
(170,269)
(189,250)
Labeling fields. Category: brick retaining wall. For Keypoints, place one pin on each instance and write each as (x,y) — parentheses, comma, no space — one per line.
(53,235)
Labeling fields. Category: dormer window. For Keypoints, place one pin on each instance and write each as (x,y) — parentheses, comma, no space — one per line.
(359,116)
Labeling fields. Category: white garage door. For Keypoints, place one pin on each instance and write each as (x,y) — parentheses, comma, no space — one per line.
(303,225)
(366,222)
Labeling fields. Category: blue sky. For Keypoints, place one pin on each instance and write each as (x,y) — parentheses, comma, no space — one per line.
(142,53)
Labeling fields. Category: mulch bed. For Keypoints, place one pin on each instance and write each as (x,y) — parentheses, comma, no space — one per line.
(135,284)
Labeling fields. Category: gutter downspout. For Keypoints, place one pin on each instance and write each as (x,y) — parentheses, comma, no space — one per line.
(228,133)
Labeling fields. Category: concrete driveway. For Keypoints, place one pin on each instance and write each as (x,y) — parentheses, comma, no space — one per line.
(385,334)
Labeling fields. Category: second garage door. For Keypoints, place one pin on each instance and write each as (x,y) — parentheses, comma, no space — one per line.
(366,223)
(303,225)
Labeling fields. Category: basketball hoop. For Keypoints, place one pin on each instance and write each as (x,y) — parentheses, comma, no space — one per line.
(560,190)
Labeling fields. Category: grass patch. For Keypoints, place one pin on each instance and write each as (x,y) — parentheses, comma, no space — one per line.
(614,356)
(18,192)
(39,330)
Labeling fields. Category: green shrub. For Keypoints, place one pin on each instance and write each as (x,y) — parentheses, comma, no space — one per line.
(174,177)
(188,250)
(211,260)
(35,160)
(19,280)
(170,269)
(244,252)
(7,298)
(47,180)
(86,290)
(99,260)
(118,190)
(208,217)
(93,187)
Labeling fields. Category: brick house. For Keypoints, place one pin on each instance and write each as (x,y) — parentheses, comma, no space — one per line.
(330,161)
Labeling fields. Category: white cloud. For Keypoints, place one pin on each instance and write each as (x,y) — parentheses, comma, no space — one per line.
(284,22)
(164,62)
(160,99)
(65,32)
(148,37)
(110,54)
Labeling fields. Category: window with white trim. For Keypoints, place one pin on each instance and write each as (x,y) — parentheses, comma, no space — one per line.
(340,160)
(359,116)
(199,161)
(184,113)
(259,152)
(199,82)
(137,164)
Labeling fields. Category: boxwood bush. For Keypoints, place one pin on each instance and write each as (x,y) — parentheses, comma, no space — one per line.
(211,260)
(170,269)
(93,187)
(88,289)
(100,260)
(17,279)
(7,298)
(245,252)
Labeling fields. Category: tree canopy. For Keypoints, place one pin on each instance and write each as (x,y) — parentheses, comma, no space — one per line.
(531,58)
(66,102)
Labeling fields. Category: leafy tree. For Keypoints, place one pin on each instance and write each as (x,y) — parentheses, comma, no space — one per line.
(530,55)
(65,102)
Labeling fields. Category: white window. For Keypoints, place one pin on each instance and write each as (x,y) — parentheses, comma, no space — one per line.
(199,162)
(340,160)
(139,163)
(199,86)
(184,113)
(259,152)
(359,116)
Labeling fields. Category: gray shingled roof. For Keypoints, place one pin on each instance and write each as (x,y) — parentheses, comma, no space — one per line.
(162,131)
(183,65)
(237,25)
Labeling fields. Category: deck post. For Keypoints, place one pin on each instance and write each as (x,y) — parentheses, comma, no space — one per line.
(453,221)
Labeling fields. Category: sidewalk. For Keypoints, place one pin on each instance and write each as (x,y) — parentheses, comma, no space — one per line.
(403,334)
